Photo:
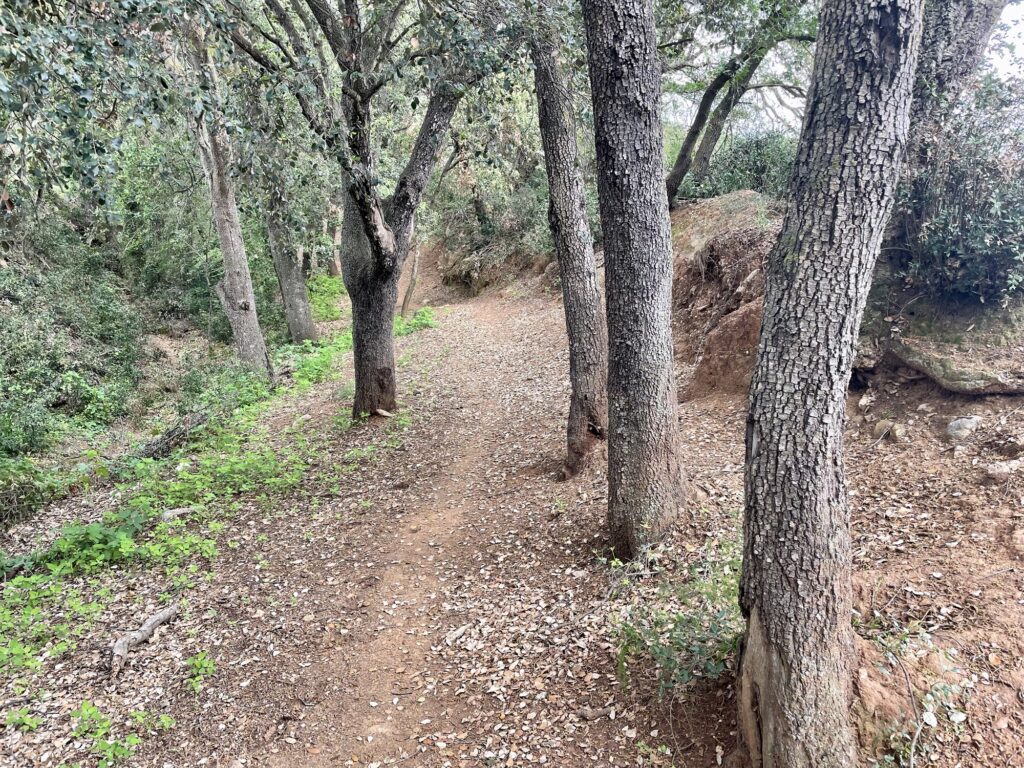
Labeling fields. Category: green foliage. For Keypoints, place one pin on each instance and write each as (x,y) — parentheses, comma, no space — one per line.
(965,214)
(763,163)
(69,339)
(318,360)
(422,318)
(691,631)
(200,667)
(24,486)
(325,294)
(22,720)
(94,726)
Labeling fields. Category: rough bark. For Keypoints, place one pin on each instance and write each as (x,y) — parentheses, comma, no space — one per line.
(645,476)
(955,36)
(373,291)
(234,290)
(288,266)
(793,680)
(574,249)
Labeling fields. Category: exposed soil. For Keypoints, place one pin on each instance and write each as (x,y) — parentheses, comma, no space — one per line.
(446,601)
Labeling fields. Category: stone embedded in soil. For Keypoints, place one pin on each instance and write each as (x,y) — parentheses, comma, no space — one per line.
(963,427)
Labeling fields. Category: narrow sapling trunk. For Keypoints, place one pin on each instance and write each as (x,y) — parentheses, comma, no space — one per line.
(581,294)
(794,669)
(410,289)
(645,477)
(287,258)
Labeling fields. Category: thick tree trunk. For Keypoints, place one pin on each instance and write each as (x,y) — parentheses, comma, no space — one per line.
(716,123)
(374,292)
(581,294)
(645,477)
(793,679)
(235,289)
(956,35)
(288,265)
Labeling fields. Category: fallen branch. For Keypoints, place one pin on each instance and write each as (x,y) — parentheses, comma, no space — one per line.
(174,437)
(125,643)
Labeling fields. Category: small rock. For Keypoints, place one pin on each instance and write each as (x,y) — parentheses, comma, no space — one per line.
(1001,471)
(963,427)
(898,433)
(882,427)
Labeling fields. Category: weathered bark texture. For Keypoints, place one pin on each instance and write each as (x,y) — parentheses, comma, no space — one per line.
(956,34)
(574,248)
(373,291)
(287,260)
(793,678)
(645,476)
(235,289)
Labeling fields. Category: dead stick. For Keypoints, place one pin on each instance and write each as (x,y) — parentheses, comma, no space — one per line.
(125,643)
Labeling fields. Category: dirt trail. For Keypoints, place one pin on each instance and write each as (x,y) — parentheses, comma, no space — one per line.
(432,596)
(464,617)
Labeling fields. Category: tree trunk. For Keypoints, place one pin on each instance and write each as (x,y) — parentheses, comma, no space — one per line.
(374,292)
(716,123)
(793,679)
(411,287)
(956,34)
(334,268)
(235,289)
(645,477)
(581,294)
(288,265)
(684,158)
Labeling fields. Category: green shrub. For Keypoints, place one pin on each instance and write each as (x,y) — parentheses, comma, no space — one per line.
(69,338)
(691,631)
(24,486)
(964,215)
(762,163)
(325,294)
(422,318)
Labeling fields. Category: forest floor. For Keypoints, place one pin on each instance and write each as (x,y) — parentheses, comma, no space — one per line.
(427,593)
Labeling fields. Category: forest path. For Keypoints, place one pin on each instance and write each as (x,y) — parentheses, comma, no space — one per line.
(469,606)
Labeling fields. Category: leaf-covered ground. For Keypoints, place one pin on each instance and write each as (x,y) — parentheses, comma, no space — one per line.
(422,591)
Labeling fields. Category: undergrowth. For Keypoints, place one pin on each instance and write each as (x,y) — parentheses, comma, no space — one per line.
(324,295)
(423,318)
(689,630)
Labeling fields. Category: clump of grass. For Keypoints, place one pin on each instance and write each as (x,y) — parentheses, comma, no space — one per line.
(423,318)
